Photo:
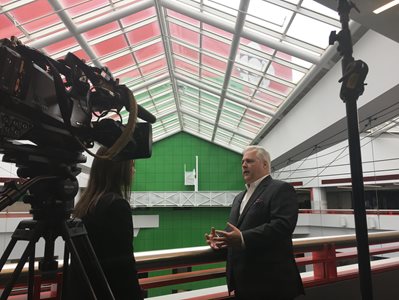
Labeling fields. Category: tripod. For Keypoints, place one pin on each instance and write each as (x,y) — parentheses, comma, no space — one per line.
(51,197)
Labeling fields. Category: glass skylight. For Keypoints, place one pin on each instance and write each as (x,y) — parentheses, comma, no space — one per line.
(206,67)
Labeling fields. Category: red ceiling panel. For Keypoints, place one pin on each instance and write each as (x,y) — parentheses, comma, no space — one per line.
(79,7)
(35,16)
(7,28)
(149,52)
(184,34)
(143,33)
(155,66)
(111,45)
(60,46)
(139,16)
(185,52)
(101,31)
(120,63)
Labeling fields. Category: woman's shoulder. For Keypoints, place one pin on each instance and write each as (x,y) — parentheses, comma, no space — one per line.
(112,201)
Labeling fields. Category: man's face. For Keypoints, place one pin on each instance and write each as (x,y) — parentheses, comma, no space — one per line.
(253,167)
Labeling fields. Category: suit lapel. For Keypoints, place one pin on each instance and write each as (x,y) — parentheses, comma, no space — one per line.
(258,191)
(235,213)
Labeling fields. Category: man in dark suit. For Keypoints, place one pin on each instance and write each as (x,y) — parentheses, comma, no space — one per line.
(258,237)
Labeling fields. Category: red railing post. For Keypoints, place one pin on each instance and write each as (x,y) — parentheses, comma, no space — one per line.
(55,287)
(325,266)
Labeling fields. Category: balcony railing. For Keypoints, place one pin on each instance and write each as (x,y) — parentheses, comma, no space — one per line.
(321,256)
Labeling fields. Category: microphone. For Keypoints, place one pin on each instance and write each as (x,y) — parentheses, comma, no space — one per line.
(145,115)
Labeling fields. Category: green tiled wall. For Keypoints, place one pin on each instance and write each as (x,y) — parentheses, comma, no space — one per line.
(219,168)
(180,228)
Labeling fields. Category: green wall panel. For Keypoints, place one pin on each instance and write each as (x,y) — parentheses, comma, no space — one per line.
(219,168)
(180,228)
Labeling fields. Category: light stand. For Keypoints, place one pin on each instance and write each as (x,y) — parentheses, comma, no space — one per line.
(353,76)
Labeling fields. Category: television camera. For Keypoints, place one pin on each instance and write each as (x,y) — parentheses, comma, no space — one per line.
(62,104)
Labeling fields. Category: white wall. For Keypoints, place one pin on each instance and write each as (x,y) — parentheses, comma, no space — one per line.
(321,107)
(380,156)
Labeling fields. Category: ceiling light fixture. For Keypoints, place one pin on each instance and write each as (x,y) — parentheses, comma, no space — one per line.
(386,6)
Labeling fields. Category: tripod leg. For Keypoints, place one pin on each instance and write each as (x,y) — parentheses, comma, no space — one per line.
(7,252)
(78,243)
(21,233)
(31,274)
(28,252)
(65,273)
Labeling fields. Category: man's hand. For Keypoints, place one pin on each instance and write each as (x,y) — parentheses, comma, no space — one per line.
(210,239)
(231,238)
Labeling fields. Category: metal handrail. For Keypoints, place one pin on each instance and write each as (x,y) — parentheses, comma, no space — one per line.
(155,260)
(174,258)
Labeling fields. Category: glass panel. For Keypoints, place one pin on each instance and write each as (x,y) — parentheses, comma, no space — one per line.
(180,64)
(138,16)
(218,31)
(215,46)
(8,29)
(186,52)
(311,31)
(127,75)
(276,87)
(111,45)
(266,100)
(280,71)
(154,66)
(262,49)
(183,17)
(149,52)
(120,63)
(79,7)
(61,46)
(313,5)
(101,31)
(35,16)
(295,60)
(185,34)
(227,6)
(218,64)
(160,88)
(241,86)
(268,15)
(82,55)
(143,33)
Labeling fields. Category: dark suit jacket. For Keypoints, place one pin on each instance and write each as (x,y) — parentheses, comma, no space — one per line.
(265,268)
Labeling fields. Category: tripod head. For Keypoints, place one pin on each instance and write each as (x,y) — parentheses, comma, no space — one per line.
(50,179)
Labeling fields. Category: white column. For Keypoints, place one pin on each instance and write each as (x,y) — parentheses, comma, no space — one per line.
(319,198)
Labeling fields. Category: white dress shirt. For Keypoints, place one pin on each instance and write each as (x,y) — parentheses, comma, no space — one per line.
(250,190)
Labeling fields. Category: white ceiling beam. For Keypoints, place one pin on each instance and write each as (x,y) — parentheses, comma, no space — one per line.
(240,21)
(69,24)
(168,55)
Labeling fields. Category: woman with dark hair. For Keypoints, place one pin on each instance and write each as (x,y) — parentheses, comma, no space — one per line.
(107,216)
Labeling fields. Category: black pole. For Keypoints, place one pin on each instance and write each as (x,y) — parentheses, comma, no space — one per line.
(353,76)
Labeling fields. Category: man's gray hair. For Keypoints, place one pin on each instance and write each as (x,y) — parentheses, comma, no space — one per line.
(261,153)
